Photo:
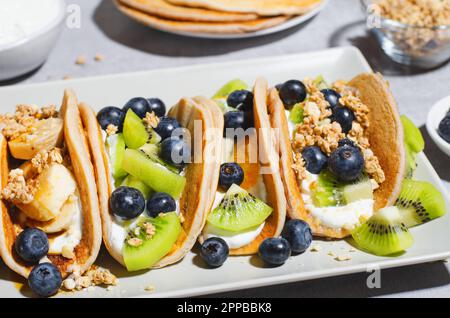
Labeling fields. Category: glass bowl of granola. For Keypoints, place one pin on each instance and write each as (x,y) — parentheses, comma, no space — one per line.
(411,32)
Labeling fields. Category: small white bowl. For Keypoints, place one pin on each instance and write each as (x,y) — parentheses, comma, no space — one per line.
(436,114)
(28,54)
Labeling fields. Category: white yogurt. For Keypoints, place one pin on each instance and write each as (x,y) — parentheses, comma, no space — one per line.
(21,18)
(233,240)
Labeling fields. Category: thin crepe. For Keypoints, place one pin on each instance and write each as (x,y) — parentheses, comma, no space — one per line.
(385,129)
(87,250)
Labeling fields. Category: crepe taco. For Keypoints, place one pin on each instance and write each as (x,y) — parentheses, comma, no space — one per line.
(49,195)
(132,163)
(248,200)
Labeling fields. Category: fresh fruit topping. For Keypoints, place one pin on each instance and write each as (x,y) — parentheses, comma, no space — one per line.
(320,82)
(411,164)
(332,97)
(344,117)
(230,173)
(166,126)
(298,234)
(157,106)
(45,279)
(60,223)
(150,241)
(346,163)
(154,137)
(116,148)
(133,182)
(230,87)
(56,184)
(420,202)
(413,137)
(111,116)
(153,174)
(444,129)
(160,202)
(234,120)
(139,105)
(127,203)
(46,135)
(239,211)
(31,245)
(296,114)
(315,159)
(292,92)
(384,233)
(241,100)
(134,131)
(347,142)
(152,152)
(214,251)
(360,190)
(275,251)
(175,152)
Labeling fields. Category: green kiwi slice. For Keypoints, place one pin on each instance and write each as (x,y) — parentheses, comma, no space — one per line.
(152,152)
(116,148)
(134,131)
(420,202)
(384,233)
(414,143)
(229,88)
(153,239)
(133,182)
(296,114)
(239,211)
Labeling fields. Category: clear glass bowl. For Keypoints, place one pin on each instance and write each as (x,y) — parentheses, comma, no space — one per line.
(409,44)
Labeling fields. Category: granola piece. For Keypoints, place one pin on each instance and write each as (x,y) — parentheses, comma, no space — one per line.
(360,110)
(299,167)
(81,60)
(372,166)
(18,190)
(44,159)
(111,130)
(99,57)
(134,241)
(151,120)
(94,276)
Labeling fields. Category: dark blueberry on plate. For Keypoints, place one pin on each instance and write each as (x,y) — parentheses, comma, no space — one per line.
(347,142)
(45,279)
(127,203)
(234,120)
(139,105)
(160,202)
(298,234)
(230,173)
(214,251)
(344,117)
(31,245)
(331,96)
(157,106)
(292,92)
(274,251)
(241,100)
(111,115)
(175,151)
(444,128)
(166,127)
(346,163)
(315,159)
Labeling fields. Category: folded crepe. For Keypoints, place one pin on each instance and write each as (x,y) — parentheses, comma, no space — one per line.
(385,135)
(78,161)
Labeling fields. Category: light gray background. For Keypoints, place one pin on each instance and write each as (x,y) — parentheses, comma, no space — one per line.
(128,46)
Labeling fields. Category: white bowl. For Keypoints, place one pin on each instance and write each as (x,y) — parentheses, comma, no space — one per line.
(436,114)
(28,54)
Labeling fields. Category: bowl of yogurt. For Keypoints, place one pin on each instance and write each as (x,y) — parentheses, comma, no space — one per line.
(28,32)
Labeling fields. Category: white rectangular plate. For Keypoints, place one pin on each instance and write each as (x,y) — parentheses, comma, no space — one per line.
(189,277)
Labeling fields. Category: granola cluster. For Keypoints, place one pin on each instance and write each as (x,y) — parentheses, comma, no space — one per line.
(144,230)
(45,158)
(151,120)
(111,130)
(95,276)
(18,190)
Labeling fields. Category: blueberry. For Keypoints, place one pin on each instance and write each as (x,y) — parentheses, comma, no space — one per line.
(111,115)
(160,202)
(175,151)
(166,126)
(346,163)
(275,250)
(315,159)
(45,279)
(292,92)
(139,105)
(444,128)
(230,173)
(331,96)
(157,106)
(214,251)
(241,100)
(278,86)
(127,203)
(31,245)
(346,142)
(344,117)
(234,120)
(298,234)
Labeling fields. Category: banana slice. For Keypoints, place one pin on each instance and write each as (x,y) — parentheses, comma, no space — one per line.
(46,134)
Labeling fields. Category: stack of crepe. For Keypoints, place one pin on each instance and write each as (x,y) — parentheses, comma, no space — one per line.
(215,16)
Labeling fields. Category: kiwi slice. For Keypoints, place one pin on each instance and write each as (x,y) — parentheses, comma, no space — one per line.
(154,137)
(153,174)
(414,143)
(134,131)
(320,82)
(152,151)
(148,247)
(133,182)
(229,88)
(384,233)
(239,211)
(296,114)
(420,202)
(116,148)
